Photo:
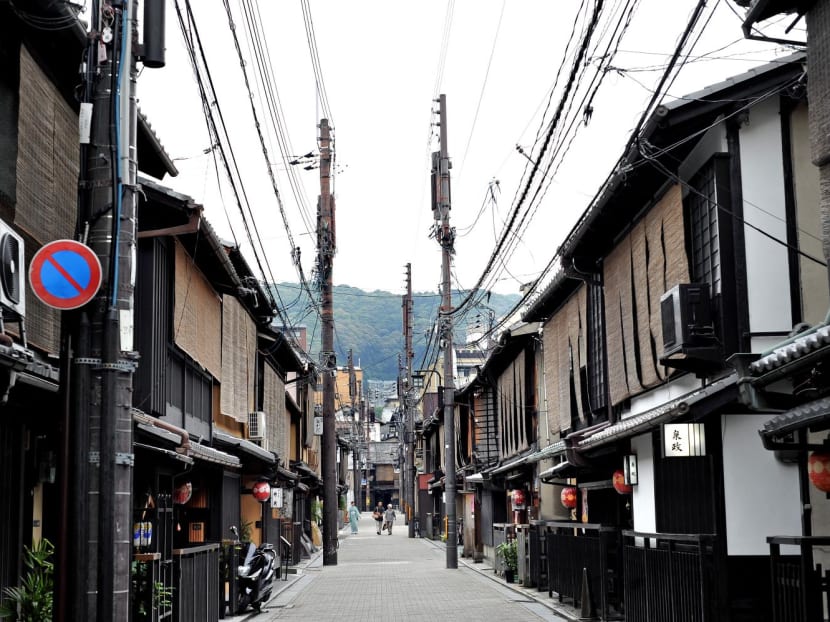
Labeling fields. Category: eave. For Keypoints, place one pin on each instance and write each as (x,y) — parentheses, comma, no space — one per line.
(635,183)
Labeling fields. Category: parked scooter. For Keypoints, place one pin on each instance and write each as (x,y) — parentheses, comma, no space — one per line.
(258,567)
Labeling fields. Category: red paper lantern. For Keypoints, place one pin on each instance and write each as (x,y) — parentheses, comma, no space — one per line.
(261,491)
(183,493)
(818,468)
(568,497)
(619,483)
(518,498)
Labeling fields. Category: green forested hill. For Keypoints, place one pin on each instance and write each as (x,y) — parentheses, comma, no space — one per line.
(371,324)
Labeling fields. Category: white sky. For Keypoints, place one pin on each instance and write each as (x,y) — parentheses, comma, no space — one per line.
(380,62)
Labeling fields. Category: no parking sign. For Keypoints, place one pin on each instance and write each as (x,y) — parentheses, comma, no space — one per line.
(65,274)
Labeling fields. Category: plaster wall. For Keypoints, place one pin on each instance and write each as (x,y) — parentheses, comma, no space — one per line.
(761,492)
(642,497)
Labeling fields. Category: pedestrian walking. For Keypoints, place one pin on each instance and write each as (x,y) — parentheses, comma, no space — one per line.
(354,516)
(378,516)
(389,518)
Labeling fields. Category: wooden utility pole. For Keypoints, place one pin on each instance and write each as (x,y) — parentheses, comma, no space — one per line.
(409,411)
(446,238)
(326,248)
(355,427)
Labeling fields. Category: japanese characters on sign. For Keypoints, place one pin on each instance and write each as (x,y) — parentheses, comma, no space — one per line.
(683,440)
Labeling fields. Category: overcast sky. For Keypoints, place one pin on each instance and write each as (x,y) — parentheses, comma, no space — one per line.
(382,64)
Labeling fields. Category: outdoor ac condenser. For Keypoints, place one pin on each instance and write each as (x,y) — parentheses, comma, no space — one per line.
(12,272)
(256,425)
(686,315)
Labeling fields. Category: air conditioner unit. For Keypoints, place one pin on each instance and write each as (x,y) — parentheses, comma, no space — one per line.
(684,310)
(688,329)
(256,425)
(12,271)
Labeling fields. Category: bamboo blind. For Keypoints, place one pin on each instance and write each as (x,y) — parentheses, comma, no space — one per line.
(646,262)
(273,402)
(197,315)
(238,360)
(47,178)
(559,417)
(565,344)
(512,406)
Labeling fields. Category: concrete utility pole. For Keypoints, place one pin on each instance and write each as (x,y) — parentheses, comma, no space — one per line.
(409,411)
(446,238)
(326,247)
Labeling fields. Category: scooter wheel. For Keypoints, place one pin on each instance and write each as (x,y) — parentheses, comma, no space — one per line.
(244,601)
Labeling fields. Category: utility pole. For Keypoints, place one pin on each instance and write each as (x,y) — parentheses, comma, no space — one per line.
(326,247)
(402,426)
(409,411)
(355,425)
(446,238)
(99,341)
(97,359)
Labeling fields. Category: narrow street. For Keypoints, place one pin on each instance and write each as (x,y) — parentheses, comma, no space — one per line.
(397,578)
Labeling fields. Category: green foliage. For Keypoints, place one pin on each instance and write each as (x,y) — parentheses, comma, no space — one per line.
(147,595)
(370,323)
(246,531)
(162,596)
(31,601)
(509,553)
(316,510)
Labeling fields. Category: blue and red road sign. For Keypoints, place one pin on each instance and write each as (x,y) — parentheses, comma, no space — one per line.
(65,274)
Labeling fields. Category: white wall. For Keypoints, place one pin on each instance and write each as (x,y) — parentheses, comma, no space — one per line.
(642,497)
(761,492)
(762,173)
(713,141)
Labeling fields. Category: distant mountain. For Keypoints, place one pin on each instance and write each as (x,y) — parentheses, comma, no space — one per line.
(371,324)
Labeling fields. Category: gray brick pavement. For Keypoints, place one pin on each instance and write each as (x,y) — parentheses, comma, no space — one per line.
(399,578)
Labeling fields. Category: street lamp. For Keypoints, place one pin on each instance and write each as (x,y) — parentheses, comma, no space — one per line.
(420,374)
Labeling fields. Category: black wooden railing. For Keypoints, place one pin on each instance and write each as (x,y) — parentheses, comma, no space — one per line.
(799,587)
(583,563)
(538,556)
(196,593)
(669,577)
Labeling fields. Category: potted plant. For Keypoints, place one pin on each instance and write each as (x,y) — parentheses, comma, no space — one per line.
(32,600)
(509,554)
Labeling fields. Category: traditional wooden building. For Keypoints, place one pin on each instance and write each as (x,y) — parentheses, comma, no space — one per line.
(688,255)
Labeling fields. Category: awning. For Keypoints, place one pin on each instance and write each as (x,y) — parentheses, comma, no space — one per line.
(664,413)
(244,446)
(168,453)
(307,473)
(550,451)
(171,437)
(811,414)
(793,350)
(512,464)
(209,454)
(283,473)
(558,472)
(436,484)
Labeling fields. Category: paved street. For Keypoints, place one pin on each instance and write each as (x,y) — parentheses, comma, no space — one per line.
(399,578)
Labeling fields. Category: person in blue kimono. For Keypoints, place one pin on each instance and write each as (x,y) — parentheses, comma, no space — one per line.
(354,516)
